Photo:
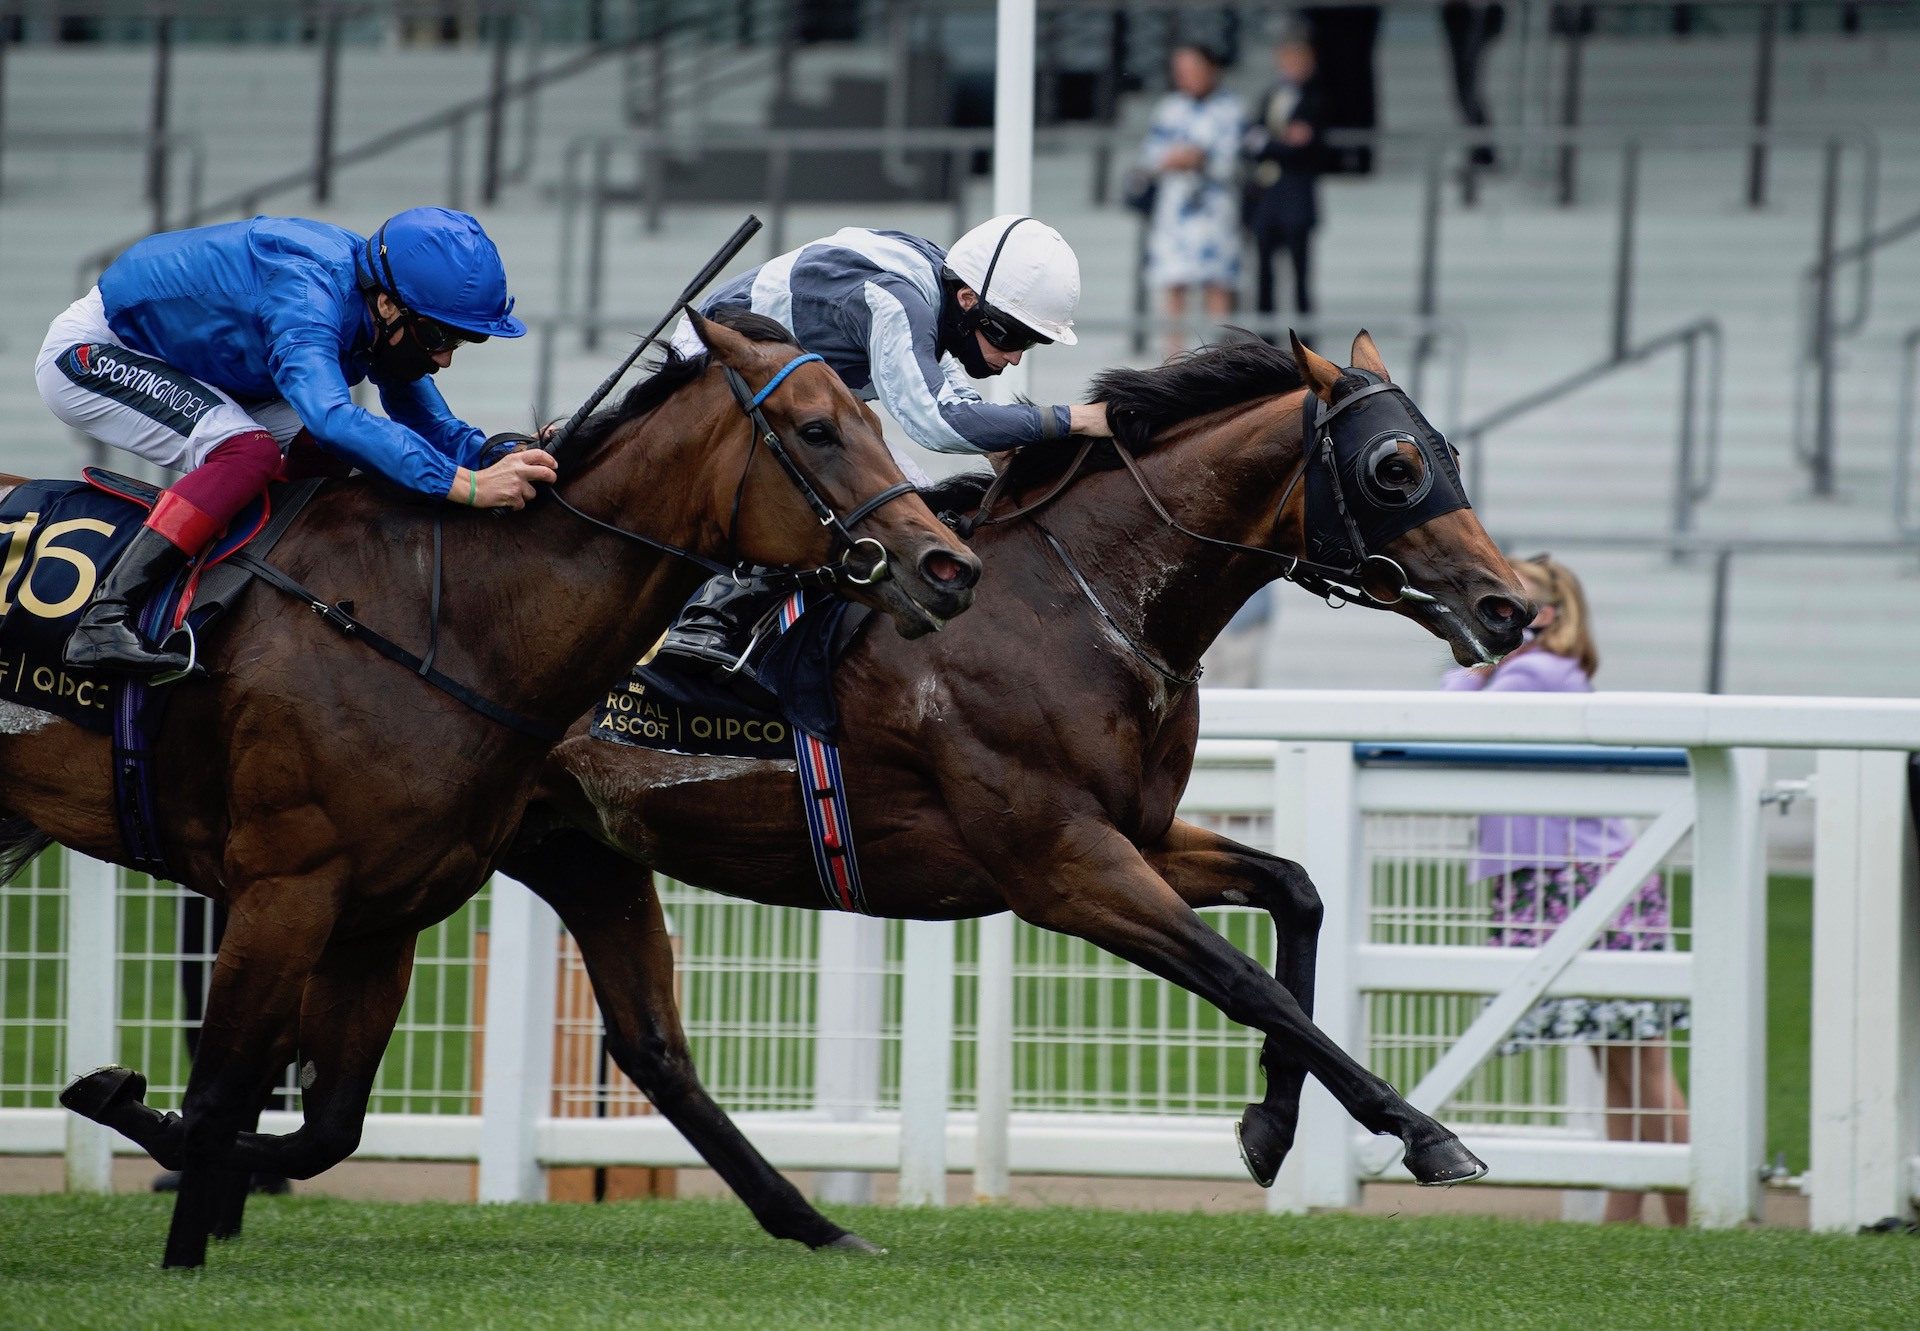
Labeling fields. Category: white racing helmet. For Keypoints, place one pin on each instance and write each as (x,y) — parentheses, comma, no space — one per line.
(1024,269)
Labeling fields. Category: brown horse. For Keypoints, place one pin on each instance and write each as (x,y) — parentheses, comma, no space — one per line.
(1031,759)
(338,805)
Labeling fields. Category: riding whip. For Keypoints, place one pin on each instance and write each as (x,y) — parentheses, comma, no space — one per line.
(722,257)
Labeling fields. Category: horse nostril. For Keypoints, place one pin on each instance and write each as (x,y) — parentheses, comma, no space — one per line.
(945,569)
(1501,613)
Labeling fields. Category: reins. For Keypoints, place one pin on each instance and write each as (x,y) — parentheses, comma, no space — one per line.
(1338,586)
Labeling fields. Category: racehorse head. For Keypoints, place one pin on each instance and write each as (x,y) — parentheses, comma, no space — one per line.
(1400,519)
(790,471)
(1256,464)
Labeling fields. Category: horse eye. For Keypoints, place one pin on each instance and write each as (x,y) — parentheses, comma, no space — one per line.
(1397,471)
(819,434)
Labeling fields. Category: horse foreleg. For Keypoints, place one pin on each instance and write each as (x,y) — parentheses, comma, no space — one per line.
(1208,869)
(275,934)
(1096,886)
(609,905)
(346,1018)
(231,1205)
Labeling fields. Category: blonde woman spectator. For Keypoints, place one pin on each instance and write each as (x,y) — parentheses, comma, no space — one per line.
(1539,869)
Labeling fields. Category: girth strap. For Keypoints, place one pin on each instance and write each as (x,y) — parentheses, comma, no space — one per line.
(341,618)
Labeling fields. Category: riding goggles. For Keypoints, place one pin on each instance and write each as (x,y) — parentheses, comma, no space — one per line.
(435,337)
(1005,333)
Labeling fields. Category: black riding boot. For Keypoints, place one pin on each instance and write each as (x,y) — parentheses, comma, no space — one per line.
(106,637)
(716,628)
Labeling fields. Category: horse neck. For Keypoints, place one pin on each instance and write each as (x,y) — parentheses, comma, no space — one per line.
(1222,476)
(573,606)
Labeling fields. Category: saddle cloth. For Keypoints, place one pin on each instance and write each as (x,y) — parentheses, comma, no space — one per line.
(681,713)
(61,539)
(661,706)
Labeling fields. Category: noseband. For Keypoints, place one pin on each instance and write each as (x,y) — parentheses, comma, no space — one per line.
(845,542)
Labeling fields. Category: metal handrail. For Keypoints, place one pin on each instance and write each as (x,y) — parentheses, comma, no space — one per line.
(452,120)
(159,147)
(1445,333)
(1692,483)
(1724,550)
(1903,435)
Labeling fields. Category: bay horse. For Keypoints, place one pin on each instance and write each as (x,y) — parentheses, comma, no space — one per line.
(1031,759)
(338,806)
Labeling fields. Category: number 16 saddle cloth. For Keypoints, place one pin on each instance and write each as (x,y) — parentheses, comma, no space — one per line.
(60,539)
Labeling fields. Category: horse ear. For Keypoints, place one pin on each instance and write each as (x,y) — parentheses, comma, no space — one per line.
(727,346)
(1366,356)
(1320,373)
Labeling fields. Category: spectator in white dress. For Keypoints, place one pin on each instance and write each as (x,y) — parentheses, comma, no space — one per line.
(1192,148)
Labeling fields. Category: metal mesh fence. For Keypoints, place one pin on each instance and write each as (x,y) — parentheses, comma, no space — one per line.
(1091,1033)
(1507,881)
(33,979)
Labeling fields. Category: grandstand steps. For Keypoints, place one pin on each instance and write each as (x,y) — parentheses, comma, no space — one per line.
(1527,282)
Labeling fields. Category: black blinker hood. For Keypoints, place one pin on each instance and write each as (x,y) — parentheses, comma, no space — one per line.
(1344,524)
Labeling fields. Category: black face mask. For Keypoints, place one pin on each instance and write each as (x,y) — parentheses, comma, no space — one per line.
(401,362)
(957,337)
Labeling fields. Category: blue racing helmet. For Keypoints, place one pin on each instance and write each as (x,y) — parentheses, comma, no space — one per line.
(440,264)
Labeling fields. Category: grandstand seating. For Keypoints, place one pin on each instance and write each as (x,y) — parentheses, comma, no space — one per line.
(1526,280)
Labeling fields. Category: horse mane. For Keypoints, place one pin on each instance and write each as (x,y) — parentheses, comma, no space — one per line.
(1140,404)
(674,373)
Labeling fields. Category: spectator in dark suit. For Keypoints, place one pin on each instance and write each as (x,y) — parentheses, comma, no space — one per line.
(1471,27)
(1283,147)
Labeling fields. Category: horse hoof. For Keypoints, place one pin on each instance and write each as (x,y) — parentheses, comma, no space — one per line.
(1263,1146)
(1444,1163)
(102,1091)
(854,1243)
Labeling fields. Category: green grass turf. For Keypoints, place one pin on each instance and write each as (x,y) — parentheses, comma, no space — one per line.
(93,1262)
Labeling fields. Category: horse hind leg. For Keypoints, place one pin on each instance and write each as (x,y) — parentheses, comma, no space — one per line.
(609,905)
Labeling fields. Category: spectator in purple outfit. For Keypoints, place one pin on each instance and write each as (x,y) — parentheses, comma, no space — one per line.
(1539,869)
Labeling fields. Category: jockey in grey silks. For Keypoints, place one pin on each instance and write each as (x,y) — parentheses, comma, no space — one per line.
(906,324)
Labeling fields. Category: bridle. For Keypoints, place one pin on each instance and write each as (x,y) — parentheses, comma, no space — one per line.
(847,545)
(841,528)
(1364,577)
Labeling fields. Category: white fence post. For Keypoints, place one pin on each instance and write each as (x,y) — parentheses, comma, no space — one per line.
(1331,855)
(516,1089)
(926,1061)
(93,1005)
(1866,992)
(993,1060)
(1729,1036)
(846,1050)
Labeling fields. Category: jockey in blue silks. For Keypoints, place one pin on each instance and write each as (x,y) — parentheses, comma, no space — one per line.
(207,350)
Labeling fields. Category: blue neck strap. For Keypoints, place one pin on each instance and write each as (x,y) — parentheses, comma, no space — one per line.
(774,382)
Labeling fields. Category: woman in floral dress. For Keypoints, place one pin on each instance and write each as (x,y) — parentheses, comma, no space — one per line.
(1192,150)
(1540,868)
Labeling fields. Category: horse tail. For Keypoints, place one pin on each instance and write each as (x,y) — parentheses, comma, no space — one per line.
(20,841)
